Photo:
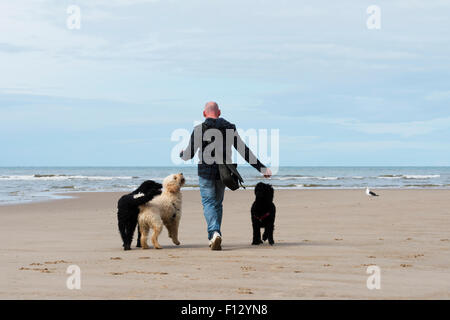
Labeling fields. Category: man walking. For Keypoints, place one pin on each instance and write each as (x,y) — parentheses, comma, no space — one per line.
(214,138)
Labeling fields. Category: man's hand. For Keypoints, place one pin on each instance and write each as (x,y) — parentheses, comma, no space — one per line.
(267,172)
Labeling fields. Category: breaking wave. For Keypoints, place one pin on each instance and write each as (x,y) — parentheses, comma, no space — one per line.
(409,176)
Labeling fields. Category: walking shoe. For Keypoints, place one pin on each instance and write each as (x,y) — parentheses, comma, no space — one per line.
(216,242)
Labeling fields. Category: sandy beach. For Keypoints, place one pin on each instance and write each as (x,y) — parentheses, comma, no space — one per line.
(325,240)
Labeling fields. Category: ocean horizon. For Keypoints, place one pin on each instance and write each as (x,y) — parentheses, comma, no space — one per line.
(30,184)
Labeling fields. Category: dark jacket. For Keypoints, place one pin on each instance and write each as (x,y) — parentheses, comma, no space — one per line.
(221,148)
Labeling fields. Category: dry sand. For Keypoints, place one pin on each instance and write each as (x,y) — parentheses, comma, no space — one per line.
(325,239)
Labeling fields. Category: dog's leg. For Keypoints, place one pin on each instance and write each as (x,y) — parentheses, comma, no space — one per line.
(269,230)
(173,231)
(144,234)
(156,231)
(130,228)
(256,234)
(123,234)
(265,234)
(138,244)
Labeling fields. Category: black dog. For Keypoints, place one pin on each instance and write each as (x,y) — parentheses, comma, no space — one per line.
(263,214)
(128,206)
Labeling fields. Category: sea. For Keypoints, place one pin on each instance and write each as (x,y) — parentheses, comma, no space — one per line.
(30,184)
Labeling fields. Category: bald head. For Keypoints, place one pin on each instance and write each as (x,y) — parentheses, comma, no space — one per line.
(211,110)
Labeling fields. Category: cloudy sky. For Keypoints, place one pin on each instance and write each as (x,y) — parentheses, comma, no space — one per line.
(112,92)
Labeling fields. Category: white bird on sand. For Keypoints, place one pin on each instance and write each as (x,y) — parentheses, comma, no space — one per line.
(370,193)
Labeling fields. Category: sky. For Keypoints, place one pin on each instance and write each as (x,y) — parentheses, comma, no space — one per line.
(112,92)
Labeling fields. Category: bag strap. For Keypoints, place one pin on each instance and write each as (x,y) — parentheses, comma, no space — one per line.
(233,169)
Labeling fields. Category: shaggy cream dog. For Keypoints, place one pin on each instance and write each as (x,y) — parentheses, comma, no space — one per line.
(164,209)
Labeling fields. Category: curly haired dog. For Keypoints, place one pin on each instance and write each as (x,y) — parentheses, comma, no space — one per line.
(263,214)
(164,209)
(128,210)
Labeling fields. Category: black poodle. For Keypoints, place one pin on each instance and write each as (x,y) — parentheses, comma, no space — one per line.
(128,206)
(263,214)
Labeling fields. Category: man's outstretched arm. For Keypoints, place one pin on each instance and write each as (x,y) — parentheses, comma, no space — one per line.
(248,155)
(191,149)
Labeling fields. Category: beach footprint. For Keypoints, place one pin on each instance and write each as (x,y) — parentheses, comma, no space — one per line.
(42,270)
(56,262)
(276,267)
(138,272)
(247,268)
(244,291)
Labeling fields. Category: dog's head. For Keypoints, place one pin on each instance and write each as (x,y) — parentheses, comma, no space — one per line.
(174,182)
(148,186)
(264,191)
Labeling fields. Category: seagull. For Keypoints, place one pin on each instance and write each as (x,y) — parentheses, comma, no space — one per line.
(370,193)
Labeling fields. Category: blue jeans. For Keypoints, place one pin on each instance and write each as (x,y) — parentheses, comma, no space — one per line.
(212,192)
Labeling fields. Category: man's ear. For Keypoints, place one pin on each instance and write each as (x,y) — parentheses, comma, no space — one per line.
(219,113)
(204,114)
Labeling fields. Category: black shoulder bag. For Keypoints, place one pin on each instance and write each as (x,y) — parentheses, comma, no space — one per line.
(230,176)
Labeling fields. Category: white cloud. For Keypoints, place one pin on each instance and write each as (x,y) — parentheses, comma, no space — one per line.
(34,28)
(222,39)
